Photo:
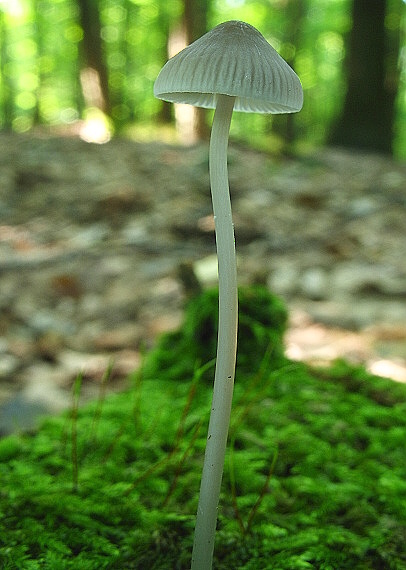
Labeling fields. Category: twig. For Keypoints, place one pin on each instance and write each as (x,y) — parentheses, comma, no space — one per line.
(262,494)
(74,433)
(233,491)
(181,462)
(179,432)
(100,398)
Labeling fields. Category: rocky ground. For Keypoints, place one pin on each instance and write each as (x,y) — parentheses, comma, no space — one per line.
(97,244)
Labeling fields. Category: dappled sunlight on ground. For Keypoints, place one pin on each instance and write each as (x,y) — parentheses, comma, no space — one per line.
(319,344)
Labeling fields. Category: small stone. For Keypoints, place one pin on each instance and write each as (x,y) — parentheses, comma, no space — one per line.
(66,285)
(49,345)
(9,364)
(91,235)
(356,278)
(47,320)
(314,283)
(284,280)
(118,200)
(91,366)
(127,336)
(16,414)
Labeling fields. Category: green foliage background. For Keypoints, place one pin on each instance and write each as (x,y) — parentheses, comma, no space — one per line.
(40,61)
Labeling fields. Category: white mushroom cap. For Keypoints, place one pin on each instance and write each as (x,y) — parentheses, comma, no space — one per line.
(232,59)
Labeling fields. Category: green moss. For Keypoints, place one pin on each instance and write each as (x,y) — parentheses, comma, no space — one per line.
(262,323)
(315,475)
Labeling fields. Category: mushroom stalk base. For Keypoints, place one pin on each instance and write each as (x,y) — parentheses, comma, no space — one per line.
(227,340)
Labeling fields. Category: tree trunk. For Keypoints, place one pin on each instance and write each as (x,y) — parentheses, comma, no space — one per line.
(94,75)
(195,23)
(7,94)
(190,121)
(284,124)
(165,114)
(367,118)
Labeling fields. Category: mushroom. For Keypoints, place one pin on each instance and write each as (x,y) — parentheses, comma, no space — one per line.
(232,67)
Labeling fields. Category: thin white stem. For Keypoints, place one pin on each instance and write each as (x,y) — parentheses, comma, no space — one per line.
(206,519)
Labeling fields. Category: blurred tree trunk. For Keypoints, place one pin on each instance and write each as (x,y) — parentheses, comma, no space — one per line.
(6,92)
(284,124)
(195,25)
(165,112)
(368,114)
(190,121)
(94,76)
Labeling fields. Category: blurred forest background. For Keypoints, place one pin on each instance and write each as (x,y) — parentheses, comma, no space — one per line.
(88,66)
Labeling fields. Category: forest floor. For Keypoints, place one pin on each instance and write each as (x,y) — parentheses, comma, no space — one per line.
(99,245)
